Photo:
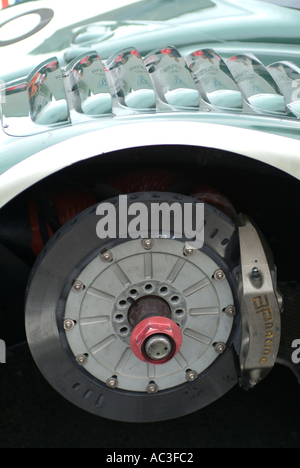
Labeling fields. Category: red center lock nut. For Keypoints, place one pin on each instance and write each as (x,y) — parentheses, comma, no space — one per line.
(156,340)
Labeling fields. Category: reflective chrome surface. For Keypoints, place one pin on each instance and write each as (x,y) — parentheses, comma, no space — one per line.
(163,81)
(15,106)
(16,110)
(172,78)
(47,97)
(130,80)
(88,85)
(214,80)
(32,105)
(287,77)
(256,84)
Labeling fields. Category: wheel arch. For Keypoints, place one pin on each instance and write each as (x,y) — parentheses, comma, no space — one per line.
(248,143)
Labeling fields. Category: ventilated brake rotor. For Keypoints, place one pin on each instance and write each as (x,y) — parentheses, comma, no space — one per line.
(135,330)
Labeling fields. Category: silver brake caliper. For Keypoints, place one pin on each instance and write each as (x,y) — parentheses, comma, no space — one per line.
(261,306)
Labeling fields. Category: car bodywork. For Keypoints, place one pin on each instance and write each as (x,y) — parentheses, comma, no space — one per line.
(219,26)
(158,96)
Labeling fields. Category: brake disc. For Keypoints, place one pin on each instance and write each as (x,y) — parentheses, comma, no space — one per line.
(137,330)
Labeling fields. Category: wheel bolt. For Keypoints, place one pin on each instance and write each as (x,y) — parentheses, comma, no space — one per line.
(69,324)
(81,359)
(219,275)
(188,250)
(78,286)
(191,375)
(112,382)
(230,311)
(106,256)
(147,243)
(220,348)
(152,388)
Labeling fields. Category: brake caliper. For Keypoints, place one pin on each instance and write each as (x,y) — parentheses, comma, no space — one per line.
(261,306)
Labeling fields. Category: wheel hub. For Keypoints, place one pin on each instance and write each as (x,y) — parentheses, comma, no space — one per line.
(158,347)
(146,307)
(156,340)
(155,337)
(147,302)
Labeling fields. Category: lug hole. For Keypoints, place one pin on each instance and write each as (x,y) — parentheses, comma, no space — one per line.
(119,317)
(133,292)
(179,312)
(174,299)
